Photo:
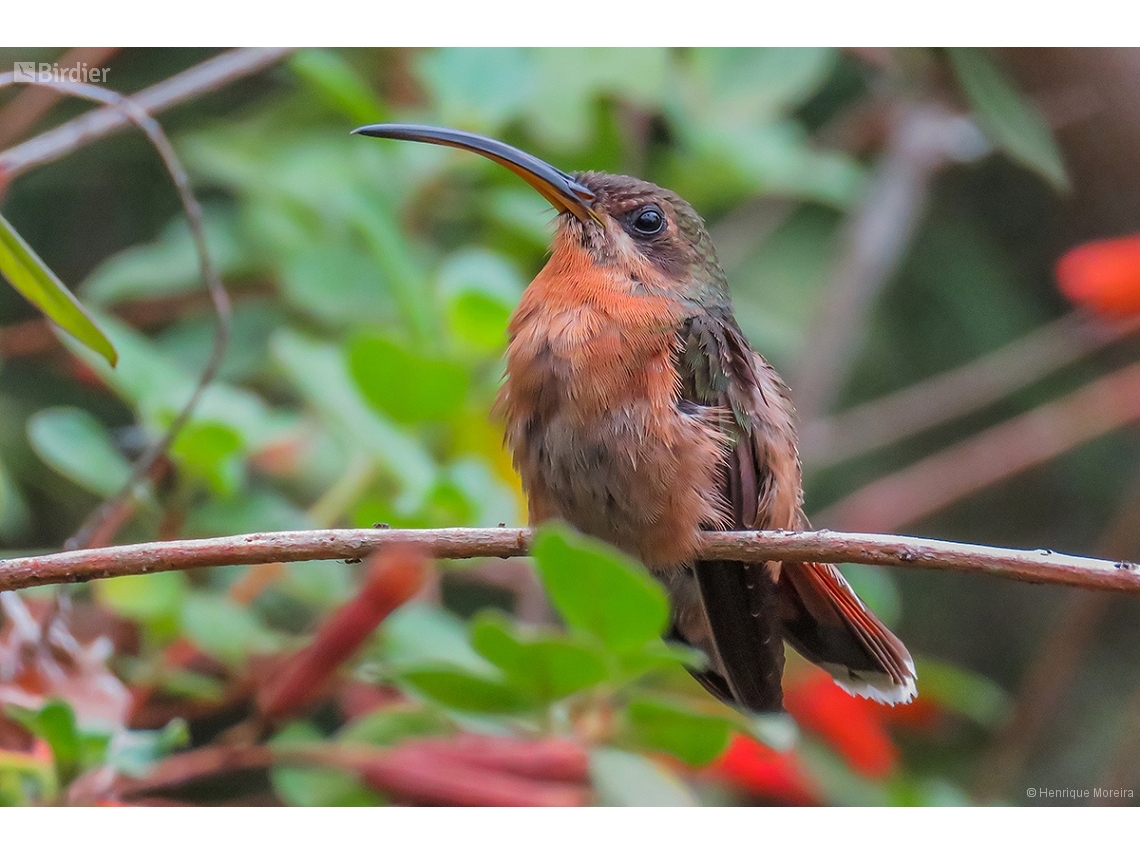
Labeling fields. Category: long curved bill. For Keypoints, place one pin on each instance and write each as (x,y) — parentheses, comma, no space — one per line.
(558,188)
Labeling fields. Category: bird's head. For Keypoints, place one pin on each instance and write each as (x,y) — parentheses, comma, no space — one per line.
(633,226)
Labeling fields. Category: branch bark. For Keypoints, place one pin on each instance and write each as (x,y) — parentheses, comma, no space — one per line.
(1039,566)
(202,78)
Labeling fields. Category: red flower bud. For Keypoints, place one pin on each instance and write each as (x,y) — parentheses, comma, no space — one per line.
(1103,275)
(394,575)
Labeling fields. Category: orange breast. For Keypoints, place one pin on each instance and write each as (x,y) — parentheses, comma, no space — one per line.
(591,406)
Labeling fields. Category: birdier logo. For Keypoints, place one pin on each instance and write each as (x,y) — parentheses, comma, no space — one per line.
(51,72)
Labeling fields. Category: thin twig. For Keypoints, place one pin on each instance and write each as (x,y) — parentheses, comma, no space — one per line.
(898,499)
(205,77)
(1039,565)
(959,391)
(134,114)
(31,105)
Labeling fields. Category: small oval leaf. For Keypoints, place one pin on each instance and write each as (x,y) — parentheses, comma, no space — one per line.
(461,690)
(1011,122)
(600,590)
(689,736)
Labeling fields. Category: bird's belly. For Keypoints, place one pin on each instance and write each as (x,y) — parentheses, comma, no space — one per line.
(644,481)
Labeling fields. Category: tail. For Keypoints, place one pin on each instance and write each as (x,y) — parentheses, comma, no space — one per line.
(730,610)
(825,621)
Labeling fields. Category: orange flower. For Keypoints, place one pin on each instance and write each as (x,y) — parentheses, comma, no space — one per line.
(1103,275)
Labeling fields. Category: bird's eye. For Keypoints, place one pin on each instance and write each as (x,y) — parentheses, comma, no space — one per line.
(648,220)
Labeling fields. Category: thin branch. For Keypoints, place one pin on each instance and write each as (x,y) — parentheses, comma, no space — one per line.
(31,105)
(132,113)
(959,391)
(898,499)
(205,77)
(1039,565)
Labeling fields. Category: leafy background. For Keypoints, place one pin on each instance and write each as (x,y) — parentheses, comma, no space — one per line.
(372,283)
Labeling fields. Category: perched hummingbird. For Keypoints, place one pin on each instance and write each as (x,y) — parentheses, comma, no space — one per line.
(636,410)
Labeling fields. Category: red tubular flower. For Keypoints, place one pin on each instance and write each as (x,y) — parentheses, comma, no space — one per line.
(764,772)
(852,726)
(425,776)
(393,576)
(1103,275)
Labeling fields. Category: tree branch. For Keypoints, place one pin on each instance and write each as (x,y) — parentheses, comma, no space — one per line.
(202,78)
(824,546)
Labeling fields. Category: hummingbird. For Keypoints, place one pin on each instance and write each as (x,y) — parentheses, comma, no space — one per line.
(637,411)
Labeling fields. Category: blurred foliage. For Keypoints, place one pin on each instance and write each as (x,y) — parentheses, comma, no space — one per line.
(372,285)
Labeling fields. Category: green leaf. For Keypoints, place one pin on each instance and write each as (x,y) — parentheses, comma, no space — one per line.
(774,158)
(404,384)
(482,493)
(547,668)
(741,84)
(467,692)
(419,634)
(160,388)
(134,752)
(479,320)
(318,584)
(372,218)
(31,277)
(154,598)
(387,727)
(169,265)
(192,684)
(481,289)
(338,84)
(689,736)
(336,285)
(623,779)
(54,723)
(521,211)
(78,446)
(224,629)
(659,657)
(571,80)
(968,694)
(319,372)
(316,787)
(252,509)
(211,452)
(600,590)
(478,88)
(1011,122)
(780,282)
